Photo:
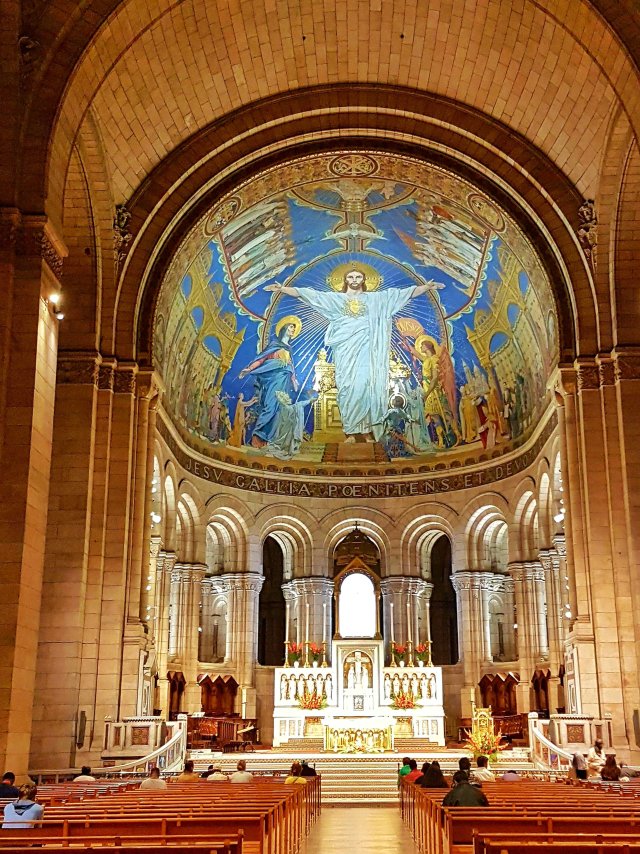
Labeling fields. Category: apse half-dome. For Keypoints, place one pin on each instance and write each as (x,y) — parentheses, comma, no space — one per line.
(355,312)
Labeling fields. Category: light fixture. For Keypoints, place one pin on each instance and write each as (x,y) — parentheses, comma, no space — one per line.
(559,517)
(54,298)
(155,517)
(59,315)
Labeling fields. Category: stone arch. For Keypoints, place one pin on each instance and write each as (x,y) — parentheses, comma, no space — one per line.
(231,527)
(291,526)
(525,536)
(375,524)
(425,523)
(170,492)
(193,537)
(482,516)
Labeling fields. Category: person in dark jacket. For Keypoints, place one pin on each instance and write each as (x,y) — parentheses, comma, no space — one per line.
(463,794)
(432,778)
(307,770)
(8,788)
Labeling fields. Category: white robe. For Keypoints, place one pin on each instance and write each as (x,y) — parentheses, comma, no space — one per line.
(359,334)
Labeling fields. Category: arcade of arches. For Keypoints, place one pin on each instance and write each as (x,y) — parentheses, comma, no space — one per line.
(305,335)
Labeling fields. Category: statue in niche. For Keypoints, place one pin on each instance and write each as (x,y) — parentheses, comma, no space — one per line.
(283,688)
(357,670)
(424,688)
(329,687)
(414,685)
(405,684)
(396,684)
(319,685)
(387,687)
(431,687)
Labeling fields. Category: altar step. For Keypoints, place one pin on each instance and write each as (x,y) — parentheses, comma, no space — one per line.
(301,745)
(354,778)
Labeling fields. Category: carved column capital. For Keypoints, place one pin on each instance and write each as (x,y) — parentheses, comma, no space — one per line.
(78,368)
(588,375)
(627,364)
(249,581)
(124,379)
(560,545)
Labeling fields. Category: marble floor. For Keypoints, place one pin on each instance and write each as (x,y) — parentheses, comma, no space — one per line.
(367,830)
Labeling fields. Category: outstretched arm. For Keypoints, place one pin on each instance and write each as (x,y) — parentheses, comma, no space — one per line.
(282,289)
(426,286)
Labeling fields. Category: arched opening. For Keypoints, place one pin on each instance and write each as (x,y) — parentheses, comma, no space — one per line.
(177,684)
(357,607)
(271,613)
(444,618)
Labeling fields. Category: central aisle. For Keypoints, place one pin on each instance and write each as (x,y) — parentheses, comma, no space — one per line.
(369,830)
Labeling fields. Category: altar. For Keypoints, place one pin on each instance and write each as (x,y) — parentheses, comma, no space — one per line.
(356,702)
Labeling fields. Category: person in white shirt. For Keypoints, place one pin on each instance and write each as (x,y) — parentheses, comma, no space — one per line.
(84,776)
(482,774)
(23,812)
(241,775)
(154,782)
(596,758)
(216,776)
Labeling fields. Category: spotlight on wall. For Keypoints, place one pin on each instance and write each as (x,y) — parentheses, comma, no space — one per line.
(54,298)
(59,315)
(155,518)
(559,517)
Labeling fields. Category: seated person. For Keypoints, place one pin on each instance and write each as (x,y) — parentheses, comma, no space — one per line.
(579,766)
(188,775)
(206,773)
(307,770)
(241,775)
(463,794)
(595,758)
(404,769)
(432,777)
(482,774)
(153,782)
(510,776)
(413,774)
(610,771)
(23,812)
(216,776)
(8,788)
(296,774)
(84,776)
(464,764)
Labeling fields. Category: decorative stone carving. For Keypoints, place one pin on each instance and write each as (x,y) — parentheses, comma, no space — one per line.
(627,366)
(607,370)
(588,231)
(124,381)
(29,50)
(105,377)
(122,237)
(588,377)
(77,370)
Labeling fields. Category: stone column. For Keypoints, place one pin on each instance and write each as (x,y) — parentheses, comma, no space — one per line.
(550,563)
(30,266)
(243,624)
(165,568)
(192,588)
(470,634)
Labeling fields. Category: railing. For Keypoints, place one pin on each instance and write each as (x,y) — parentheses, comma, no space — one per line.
(546,755)
(169,757)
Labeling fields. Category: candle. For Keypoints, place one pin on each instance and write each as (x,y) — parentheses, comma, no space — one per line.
(324,622)
(298,622)
(408,621)
(286,621)
(306,640)
(391,621)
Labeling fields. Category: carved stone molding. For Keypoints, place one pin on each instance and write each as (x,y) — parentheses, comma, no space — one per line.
(560,545)
(305,586)
(124,381)
(588,377)
(77,370)
(9,227)
(627,366)
(33,242)
(588,231)
(607,370)
(105,377)
(122,237)
(249,581)
(397,584)
(30,56)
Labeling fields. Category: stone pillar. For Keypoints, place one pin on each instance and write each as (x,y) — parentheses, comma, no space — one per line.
(470,634)
(528,579)
(164,571)
(31,266)
(243,624)
(316,594)
(193,576)
(550,563)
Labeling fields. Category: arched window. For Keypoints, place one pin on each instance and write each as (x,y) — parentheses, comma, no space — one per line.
(444,615)
(357,607)
(271,606)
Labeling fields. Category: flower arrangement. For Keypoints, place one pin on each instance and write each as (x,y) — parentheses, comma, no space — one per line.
(294,652)
(485,743)
(421,651)
(403,700)
(399,651)
(315,651)
(312,702)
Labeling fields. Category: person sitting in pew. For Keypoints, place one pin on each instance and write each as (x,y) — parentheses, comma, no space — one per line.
(8,788)
(511,776)
(216,776)
(578,766)
(154,782)
(596,758)
(482,774)
(432,777)
(296,775)
(241,775)
(205,774)
(85,776)
(463,794)
(611,772)
(307,770)
(188,775)
(413,774)
(24,811)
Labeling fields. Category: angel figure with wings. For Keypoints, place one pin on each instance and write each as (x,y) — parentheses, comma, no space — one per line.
(434,364)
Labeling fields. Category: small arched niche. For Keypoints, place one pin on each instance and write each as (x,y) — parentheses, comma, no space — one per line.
(271,608)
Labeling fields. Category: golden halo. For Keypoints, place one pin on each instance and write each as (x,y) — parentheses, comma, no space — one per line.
(373,278)
(421,339)
(285,321)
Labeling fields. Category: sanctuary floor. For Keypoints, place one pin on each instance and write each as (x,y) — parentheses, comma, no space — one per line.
(369,830)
